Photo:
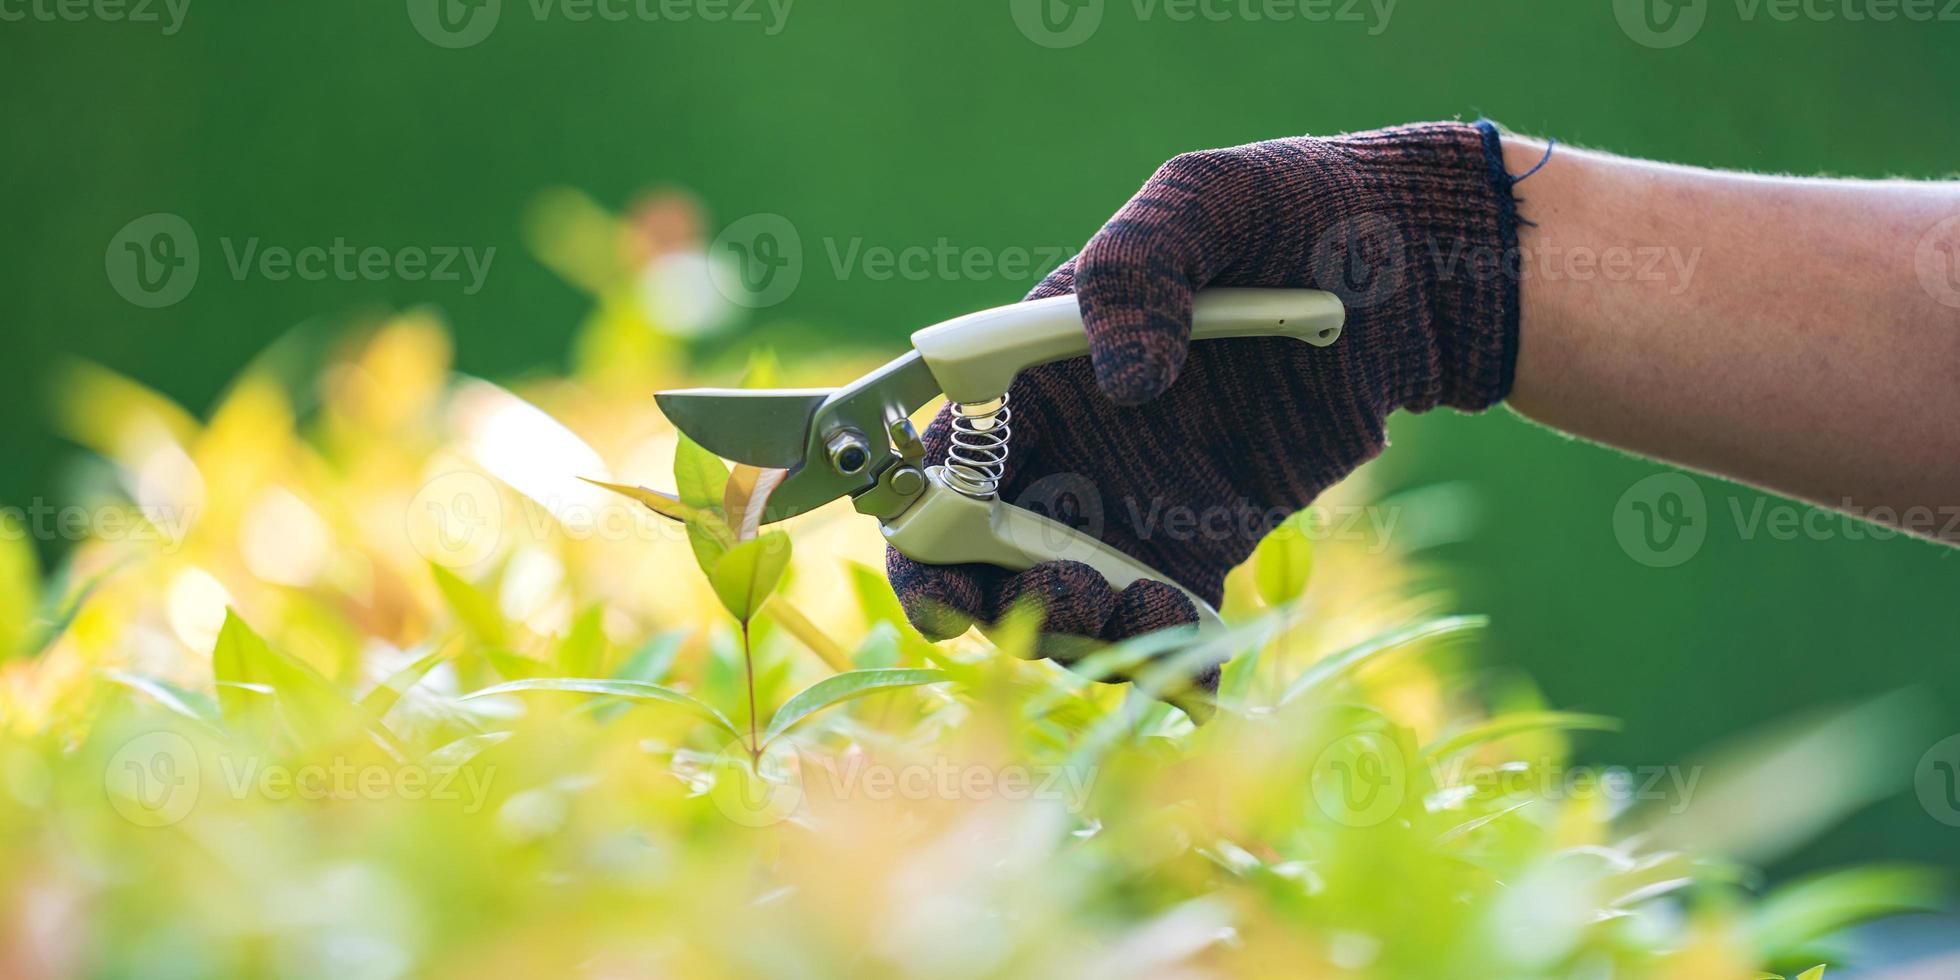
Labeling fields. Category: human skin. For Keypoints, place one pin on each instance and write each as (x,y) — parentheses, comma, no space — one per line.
(1800,335)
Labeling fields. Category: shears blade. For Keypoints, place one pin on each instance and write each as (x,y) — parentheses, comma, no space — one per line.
(768,428)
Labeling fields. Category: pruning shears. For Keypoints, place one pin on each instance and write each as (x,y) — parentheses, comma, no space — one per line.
(859,440)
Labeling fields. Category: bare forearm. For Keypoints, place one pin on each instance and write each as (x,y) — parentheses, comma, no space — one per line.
(1784,332)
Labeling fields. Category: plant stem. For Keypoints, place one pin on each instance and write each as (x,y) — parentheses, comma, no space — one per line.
(748,665)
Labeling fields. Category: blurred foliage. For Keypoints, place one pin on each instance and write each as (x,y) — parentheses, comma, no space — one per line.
(902,124)
(383,688)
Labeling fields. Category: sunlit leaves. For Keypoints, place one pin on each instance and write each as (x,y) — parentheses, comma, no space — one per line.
(1519,723)
(247,669)
(635,691)
(791,619)
(839,688)
(1796,914)
(1329,669)
(473,607)
(194,705)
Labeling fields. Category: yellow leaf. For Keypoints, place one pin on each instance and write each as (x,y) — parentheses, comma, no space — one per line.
(747,494)
(792,619)
(1283,563)
(666,505)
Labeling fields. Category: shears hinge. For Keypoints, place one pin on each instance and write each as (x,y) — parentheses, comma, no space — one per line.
(902,479)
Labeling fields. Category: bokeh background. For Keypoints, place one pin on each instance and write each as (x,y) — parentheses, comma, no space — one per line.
(904,125)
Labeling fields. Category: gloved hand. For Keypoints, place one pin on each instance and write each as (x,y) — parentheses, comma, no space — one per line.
(1190,454)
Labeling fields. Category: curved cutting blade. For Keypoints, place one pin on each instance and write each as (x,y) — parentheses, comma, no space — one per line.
(760,427)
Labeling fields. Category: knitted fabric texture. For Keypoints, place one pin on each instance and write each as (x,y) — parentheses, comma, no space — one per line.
(1184,455)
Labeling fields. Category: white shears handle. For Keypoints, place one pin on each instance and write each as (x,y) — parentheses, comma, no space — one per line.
(975,358)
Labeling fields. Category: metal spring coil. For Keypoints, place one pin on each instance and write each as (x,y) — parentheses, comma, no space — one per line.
(976,458)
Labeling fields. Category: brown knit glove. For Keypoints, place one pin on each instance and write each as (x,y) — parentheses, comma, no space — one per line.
(1190,454)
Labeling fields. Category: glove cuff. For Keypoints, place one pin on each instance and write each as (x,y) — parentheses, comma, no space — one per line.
(1447,307)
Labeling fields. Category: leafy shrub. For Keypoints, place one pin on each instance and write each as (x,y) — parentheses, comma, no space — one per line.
(403,697)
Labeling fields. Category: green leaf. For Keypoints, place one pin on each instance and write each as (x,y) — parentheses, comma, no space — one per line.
(464,749)
(879,649)
(1797,914)
(58,611)
(839,688)
(765,369)
(473,607)
(635,691)
(879,604)
(1519,723)
(749,572)
(195,705)
(710,539)
(582,653)
(384,696)
(1334,666)
(1283,562)
(700,476)
(653,659)
(648,664)
(512,664)
(312,708)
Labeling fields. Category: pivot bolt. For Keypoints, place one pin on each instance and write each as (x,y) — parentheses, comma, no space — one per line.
(908,481)
(849,452)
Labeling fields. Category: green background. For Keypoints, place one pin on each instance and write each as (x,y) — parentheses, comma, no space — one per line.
(903,123)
